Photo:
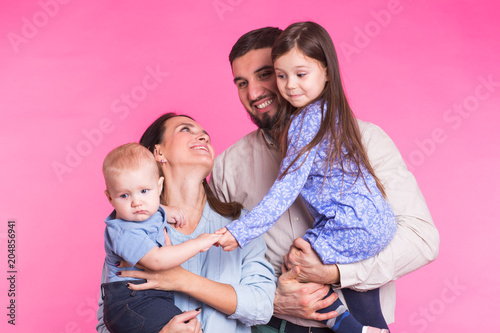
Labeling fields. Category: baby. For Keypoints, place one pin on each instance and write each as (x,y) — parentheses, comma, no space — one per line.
(135,232)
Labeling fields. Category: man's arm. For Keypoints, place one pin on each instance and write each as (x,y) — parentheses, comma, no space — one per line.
(415,244)
(302,300)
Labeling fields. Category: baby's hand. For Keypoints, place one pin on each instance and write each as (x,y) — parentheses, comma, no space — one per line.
(227,241)
(175,215)
(207,240)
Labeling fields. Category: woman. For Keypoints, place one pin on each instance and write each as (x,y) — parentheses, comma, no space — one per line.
(234,290)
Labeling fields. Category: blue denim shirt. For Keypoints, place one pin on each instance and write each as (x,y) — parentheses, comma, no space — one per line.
(130,241)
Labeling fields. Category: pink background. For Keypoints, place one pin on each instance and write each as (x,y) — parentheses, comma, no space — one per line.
(419,69)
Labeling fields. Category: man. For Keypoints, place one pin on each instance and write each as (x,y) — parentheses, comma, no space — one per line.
(246,171)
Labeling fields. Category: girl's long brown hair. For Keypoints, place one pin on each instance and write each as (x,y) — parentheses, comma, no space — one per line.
(339,124)
(154,135)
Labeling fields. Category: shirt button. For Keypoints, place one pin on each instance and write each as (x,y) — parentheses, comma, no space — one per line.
(296,218)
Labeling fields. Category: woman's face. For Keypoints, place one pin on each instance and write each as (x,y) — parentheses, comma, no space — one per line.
(185,143)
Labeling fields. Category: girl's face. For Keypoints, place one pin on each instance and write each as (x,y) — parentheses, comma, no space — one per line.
(300,79)
(186,143)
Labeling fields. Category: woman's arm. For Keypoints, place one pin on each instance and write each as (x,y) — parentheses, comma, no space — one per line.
(257,285)
(100,327)
(220,296)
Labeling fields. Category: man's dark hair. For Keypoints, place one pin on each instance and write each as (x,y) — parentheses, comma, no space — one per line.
(254,40)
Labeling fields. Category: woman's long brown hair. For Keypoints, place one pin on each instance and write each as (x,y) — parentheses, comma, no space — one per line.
(339,124)
(154,135)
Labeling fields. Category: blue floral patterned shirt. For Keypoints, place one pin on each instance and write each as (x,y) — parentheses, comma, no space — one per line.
(353,221)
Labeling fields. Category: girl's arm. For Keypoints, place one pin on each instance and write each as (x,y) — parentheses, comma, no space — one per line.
(285,190)
(161,258)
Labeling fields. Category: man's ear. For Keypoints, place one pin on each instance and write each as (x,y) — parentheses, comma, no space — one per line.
(108,195)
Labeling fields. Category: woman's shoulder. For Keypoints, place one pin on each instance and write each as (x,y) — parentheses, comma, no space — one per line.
(215,218)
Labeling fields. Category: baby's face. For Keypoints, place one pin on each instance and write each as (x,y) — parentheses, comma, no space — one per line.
(135,194)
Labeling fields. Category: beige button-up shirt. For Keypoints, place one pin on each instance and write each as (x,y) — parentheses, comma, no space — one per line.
(247,170)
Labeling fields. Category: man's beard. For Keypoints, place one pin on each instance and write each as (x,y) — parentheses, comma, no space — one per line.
(273,126)
(264,121)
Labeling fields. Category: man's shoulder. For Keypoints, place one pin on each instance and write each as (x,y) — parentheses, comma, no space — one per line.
(366,126)
(370,131)
(242,146)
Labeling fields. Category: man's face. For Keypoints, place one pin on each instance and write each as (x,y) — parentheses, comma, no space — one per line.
(256,82)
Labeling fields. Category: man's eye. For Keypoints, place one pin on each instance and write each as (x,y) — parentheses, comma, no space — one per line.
(241,85)
(265,75)
(144,191)
(185,129)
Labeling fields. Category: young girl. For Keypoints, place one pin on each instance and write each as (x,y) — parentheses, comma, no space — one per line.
(326,163)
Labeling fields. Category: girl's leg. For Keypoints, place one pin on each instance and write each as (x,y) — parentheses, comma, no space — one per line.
(368,313)
(344,322)
(365,307)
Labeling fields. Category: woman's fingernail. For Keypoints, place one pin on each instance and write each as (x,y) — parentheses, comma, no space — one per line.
(127,285)
(117,264)
(118,273)
(198,309)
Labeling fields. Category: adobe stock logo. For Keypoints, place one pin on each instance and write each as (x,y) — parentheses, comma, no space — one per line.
(121,107)
(39,20)
(223,6)
(371,29)
(454,118)
(427,314)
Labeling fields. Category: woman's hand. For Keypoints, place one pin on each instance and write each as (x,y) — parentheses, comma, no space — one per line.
(184,322)
(311,268)
(173,279)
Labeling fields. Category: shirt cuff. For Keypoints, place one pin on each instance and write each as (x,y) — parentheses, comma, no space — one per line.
(252,314)
(348,276)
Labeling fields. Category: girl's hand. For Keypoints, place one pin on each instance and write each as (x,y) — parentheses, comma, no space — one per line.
(184,322)
(227,241)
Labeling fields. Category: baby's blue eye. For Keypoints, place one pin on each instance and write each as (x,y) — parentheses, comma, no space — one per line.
(124,196)
(144,191)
